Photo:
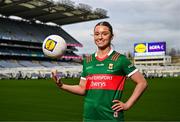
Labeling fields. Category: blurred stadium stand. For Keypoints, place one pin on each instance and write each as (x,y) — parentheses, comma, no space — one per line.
(24,24)
(159,71)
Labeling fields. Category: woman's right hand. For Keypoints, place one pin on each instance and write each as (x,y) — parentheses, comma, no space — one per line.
(57,78)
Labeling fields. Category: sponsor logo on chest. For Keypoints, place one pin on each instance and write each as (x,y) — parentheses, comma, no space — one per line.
(100,65)
(99,81)
(105,81)
(98,84)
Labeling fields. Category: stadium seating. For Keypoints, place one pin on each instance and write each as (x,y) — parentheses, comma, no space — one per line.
(9,64)
(29,64)
(24,39)
(29,31)
(48,64)
(159,71)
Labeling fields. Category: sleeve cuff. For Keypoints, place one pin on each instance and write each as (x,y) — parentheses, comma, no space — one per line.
(129,75)
(83,78)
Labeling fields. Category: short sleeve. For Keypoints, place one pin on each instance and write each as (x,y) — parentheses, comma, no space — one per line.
(128,67)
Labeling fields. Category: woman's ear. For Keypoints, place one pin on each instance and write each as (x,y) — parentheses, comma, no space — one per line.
(112,37)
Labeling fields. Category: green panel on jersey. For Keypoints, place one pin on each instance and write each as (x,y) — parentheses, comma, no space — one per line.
(98,103)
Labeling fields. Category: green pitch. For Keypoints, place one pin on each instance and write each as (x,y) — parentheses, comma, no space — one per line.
(41,100)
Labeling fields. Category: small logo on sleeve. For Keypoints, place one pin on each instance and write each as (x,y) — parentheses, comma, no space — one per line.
(130,66)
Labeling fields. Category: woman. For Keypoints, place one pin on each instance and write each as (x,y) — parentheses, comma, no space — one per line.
(102,80)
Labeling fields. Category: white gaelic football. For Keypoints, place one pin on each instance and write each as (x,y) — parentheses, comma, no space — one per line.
(54,46)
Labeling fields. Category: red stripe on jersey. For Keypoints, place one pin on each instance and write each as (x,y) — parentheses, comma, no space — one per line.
(105,81)
(101,59)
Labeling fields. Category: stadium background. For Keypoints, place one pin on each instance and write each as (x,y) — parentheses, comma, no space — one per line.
(23,26)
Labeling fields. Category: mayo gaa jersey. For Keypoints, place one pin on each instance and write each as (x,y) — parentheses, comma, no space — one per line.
(105,82)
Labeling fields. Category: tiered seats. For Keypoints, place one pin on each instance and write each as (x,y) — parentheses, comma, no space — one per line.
(24,31)
(29,64)
(160,71)
(48,64)
(9,64)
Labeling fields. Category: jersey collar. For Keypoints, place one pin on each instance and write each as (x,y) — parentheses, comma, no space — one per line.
(101,59)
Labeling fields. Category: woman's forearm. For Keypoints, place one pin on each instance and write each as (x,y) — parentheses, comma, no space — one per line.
(75,89)
(139,89)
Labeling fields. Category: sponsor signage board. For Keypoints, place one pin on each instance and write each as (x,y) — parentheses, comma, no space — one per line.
(150,49)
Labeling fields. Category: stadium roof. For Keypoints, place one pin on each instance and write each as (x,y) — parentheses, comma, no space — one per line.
(61,12)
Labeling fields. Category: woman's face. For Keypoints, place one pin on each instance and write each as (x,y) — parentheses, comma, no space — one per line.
(102,36)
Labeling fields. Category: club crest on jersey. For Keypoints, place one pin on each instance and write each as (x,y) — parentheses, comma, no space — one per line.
(110,66)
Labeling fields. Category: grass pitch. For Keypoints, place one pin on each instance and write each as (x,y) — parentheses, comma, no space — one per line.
(41,100)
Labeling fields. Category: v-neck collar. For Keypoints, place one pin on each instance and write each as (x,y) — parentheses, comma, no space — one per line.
(101,59)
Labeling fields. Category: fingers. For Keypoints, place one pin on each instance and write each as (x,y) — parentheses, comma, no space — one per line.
(118,106)
(115,101)
(54,74)
(56,78)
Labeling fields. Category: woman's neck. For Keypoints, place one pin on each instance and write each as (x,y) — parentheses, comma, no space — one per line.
(103,52)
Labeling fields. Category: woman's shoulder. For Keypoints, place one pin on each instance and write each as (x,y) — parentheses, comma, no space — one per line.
(88,57)
(120,56)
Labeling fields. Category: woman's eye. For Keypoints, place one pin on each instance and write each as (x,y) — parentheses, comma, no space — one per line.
(96,34)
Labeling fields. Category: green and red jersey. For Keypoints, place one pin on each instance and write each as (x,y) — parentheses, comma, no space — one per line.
(105,82)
